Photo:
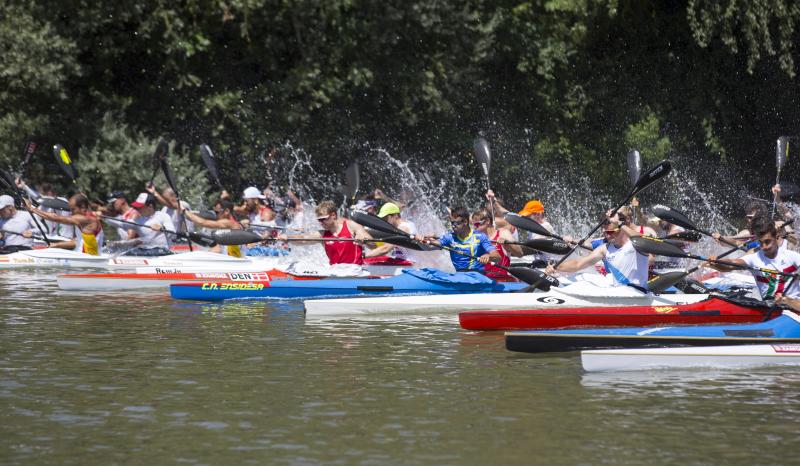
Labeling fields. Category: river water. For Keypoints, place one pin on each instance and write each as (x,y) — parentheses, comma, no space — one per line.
(134,378)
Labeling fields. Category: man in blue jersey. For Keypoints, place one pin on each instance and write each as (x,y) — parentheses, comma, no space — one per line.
(464,239)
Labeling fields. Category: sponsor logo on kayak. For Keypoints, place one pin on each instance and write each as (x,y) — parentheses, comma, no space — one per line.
(249,277)
(787,348)
(159,270)
(550,300)
(664,309)
(130,261)
(210,275)
(233,286)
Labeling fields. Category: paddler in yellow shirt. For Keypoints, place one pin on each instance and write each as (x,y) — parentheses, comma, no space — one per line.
(90,241)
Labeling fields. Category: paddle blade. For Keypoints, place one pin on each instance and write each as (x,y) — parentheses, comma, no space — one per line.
(660,170)
(160,154)
(673,216)
(65,161)
(8,180)
(207,214)
(634,166)
(408,243)
(352,176)
(210,163)
(690,236)
(201,239)
(527,224)
(483,155)
(548,245)
(376,223)
(53,203)
(781,152)
(235,237)
(660,283)
(533,277)
(645,245)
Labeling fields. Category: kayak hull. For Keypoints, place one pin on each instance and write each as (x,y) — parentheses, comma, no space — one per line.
(711,310)
(138,281)
(288,289)
(575,296)
(783,329)
(738,356)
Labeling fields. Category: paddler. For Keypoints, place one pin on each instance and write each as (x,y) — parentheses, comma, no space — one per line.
(149,238)
(752,210)
(66,233)
(254,208)
(17,225)
(90,240)
(625,265)
(119,208)
(391,213)
(334,227)
(170,202)
(770,256)
(226,220)
(464,239)
(501,237)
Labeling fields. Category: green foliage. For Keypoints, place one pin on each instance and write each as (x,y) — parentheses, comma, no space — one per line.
(645,136)
(121,160)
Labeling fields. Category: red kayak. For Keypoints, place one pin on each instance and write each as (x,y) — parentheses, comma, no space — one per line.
(715,309)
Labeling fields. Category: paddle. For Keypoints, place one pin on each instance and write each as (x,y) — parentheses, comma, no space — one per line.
(30,148)
(19,234)
(544,245)
(207,214)
(634,170)
(199,238)
(54,203)
(781,154)
(65,162)
(210,163)
(534,277)
(676,217)
(658,247)
(18,194)
(162,151)
(528,224)
(481,149)
(668,279)
(689,236)
(352,175)
(159,155)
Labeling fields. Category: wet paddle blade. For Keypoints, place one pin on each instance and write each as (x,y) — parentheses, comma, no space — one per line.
(236,237)
(30,149)
(53,203)
(690,236)
(376,223)
(644,245)
(483,155)
(8,180)
(527,224)
(352,176)
(634,166)
(210,163)
(65,162)
(548,245)
(781,152)
(207,214)
(533,277)
(201,239)
(662,282)
(659,171)
(406,242)
(673,216)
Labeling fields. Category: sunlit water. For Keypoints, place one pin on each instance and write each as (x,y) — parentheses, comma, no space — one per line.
(129,378)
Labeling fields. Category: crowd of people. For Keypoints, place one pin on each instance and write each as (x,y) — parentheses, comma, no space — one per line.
(480,240)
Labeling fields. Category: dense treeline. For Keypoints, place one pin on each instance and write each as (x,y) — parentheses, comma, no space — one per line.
(547,82)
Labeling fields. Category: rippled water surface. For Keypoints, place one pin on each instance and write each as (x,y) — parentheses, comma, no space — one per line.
(134,378)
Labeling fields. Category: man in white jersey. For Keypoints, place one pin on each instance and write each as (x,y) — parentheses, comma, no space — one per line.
(170,201)
(625,265)
(17,227)
(771,256)
(150,236)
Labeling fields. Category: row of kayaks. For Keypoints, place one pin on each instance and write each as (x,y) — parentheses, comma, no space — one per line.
(740,331)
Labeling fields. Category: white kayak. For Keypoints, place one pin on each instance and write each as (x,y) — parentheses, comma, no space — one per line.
(52,257)
(162,281)
(578,294)
(697,356)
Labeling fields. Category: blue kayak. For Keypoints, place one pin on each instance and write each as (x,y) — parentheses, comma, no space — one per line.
(783,329)
(411,281)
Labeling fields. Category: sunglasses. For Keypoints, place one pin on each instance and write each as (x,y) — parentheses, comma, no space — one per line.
(478,224)
(611,232)
(322,219)
(457,223)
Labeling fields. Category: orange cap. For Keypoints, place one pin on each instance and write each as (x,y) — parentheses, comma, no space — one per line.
(532,207)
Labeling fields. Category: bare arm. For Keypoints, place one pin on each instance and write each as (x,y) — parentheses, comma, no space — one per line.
(575,265)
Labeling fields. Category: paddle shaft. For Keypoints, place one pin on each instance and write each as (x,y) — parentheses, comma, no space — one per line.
(171,182)
(160,230)
(24,206)
(657,287)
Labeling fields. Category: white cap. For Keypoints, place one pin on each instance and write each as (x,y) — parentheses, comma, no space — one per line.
(253,193)
(5,201)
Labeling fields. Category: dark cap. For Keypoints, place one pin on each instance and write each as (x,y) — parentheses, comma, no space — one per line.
(116,195)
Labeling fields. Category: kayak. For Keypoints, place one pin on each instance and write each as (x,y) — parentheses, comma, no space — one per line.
(135,281)
(577,295)
(52,257)
(410,281)
(783,329)
(697,356)
(714,309)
